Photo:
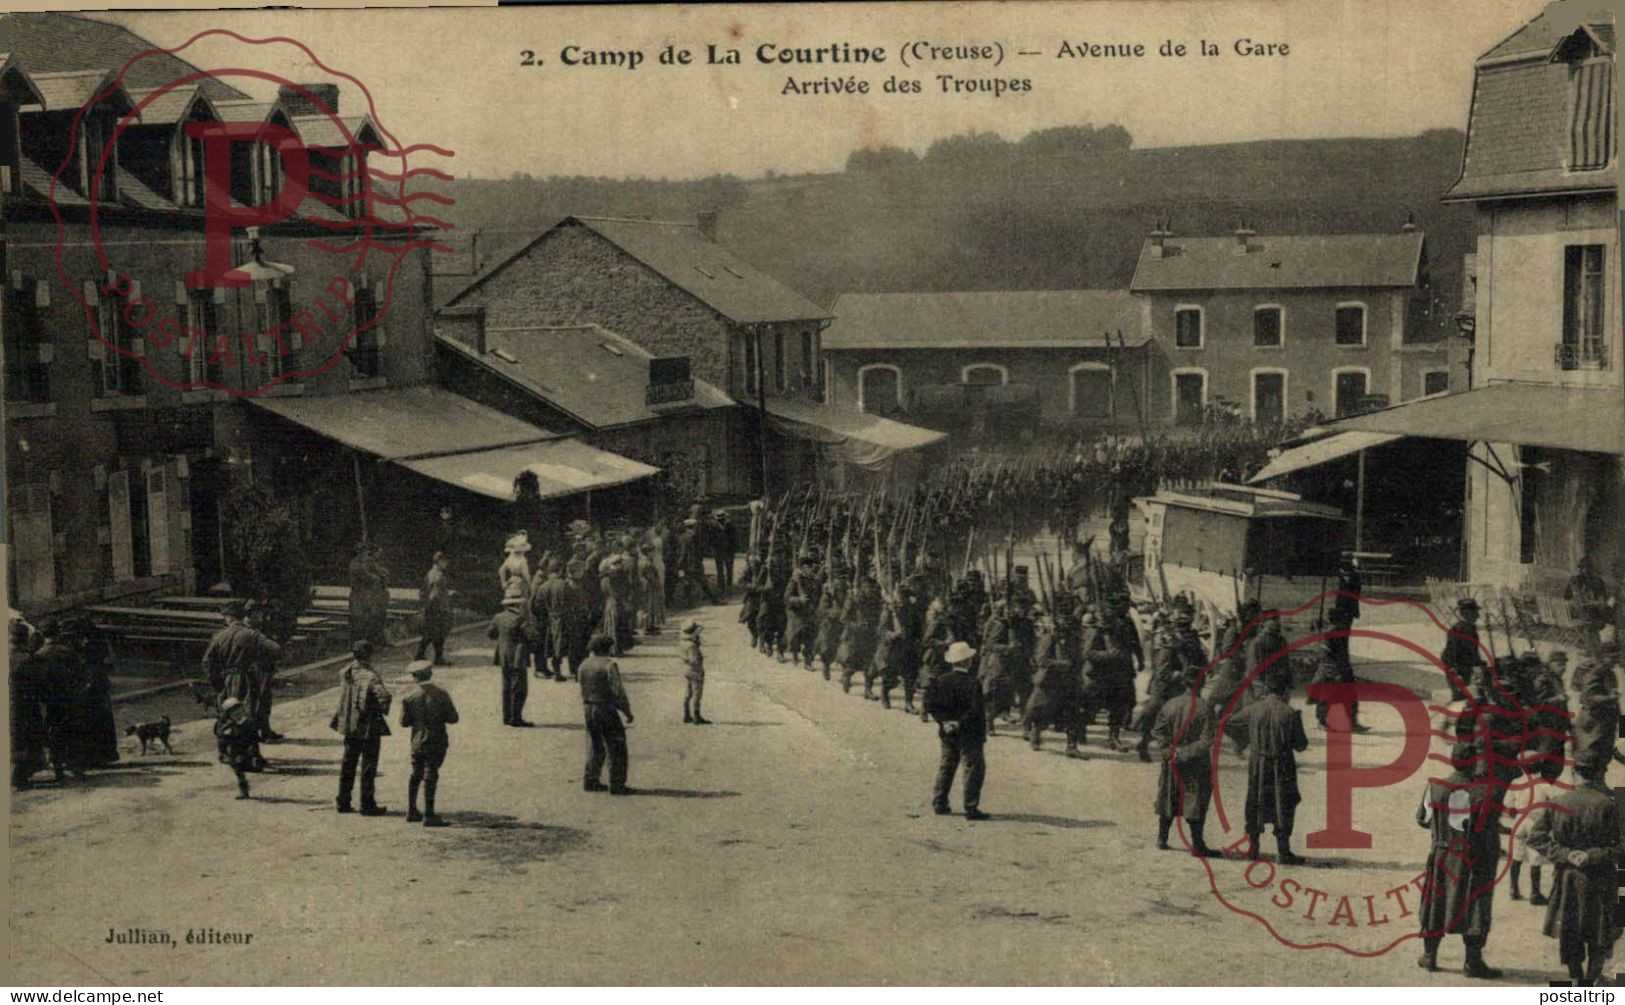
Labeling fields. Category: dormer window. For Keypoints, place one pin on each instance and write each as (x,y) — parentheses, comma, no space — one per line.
(188,169)
(1593,143)
(94,133)
(11,156)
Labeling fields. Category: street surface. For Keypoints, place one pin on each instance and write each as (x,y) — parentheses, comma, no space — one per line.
(789,843)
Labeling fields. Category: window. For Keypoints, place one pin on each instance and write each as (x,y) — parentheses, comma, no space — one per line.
(27,349)
(826,383)
(1269,323)
(1348,388)
(1091,391)
(365,357)
(1530,477)
(984,375)
(94,133)
(1187,327)
(1592,114)
(780,363)
(10,148)
(276,320)
(751,364)
(880,389)
(116,372)
(1190,397)
(353,170)
(204,365)
(33,544)
(1583,304)
(1350,324)
(1269,396)
(1435,382)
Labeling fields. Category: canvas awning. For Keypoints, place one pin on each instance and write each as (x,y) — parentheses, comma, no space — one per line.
(1321,451)
(865,441)
(562,468)
(1537,415)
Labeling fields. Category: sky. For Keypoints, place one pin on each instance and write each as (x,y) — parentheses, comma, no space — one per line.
(455,77)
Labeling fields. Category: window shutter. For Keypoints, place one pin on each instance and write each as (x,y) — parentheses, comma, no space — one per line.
(96,349)
(260,289)
(180,293)
(42,293)
(93,296)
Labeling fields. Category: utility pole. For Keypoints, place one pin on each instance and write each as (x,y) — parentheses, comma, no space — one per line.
(761,409)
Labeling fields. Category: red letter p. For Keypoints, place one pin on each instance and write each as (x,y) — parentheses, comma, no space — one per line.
(219,215)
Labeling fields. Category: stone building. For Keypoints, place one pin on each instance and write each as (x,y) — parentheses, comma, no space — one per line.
(990,364)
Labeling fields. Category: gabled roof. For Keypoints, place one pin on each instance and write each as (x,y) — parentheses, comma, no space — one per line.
(687,259)
(322,131)
(47,42)
(1552,26)
(68,90)
(172,105)
(1319,261)
(590,373)
(993,319)
(15,83)
(244,111)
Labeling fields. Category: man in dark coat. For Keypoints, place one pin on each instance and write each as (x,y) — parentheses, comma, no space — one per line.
(935,639)
(1185,730)
(1583,835)
(512,634)
(237,663)
(1170,676)
(560,605)
(255,617)
(724,543)
(1461,655)
(827,641)
(860,631)
(1271,731)
(436,594)
(1460,873)
(801,609)
(955,701)
(362,719)
(998,652)
(604,701)
(30,687)
(1108,686)
(1057,693)
(691,548)
(426,710)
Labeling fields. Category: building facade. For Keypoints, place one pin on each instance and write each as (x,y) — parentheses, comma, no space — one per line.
(1274,328)
(989,365)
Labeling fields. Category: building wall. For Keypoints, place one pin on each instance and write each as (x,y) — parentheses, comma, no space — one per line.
(1519,306)
(74,440)
(1308,354)
(1047,369)
(572,275)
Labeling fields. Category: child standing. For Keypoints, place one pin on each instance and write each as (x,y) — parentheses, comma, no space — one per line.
(235,734)
(688,649)
(426,710)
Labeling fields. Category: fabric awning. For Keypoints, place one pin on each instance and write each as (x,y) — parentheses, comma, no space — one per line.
(562,467)
(865,441)
(1321,451)
(405,422)
(1537,415)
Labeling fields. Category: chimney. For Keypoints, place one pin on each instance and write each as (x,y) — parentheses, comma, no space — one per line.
(1409,226)
(1244,235)
(1160,232)
(708,225)
(299,105)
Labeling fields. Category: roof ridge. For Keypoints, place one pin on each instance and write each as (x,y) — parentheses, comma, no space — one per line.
(693,224)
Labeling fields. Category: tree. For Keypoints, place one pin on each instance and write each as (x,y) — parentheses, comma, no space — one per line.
(966,148)
(882,158)
(265,555)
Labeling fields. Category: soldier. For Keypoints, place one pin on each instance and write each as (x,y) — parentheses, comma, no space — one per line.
(1057,693)
(1108,686)
(604,701)
(911,622)
(860,630)
(1590,598)
(1267,656)
(1169,677)
(751,607)
(1333,668)
(1461,865)
(998,653)
(1462,656)
(801,598)
(1024,635)
(362,719)
(1271,732)
(1185,730)
(831,602)
(935,639)
(436,594)
(771,617)
(723,545)
(512,636)
(1581,833)
(691,548)
(426,710)
(956,703)
(965,607)
(1547,721)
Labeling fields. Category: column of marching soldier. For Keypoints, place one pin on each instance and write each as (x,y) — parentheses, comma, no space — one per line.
(834,586)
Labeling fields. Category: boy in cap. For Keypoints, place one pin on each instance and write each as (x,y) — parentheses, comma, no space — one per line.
(688,650)
(362,719)
(426,709)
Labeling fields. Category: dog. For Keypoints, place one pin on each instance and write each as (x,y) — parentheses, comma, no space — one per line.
(150,733)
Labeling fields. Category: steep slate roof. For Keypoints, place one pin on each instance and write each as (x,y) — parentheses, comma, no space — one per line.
(684,257)
(69,89)
(589,372)
(171,106)
(1282,262)
(1004,319)
(1520,130)
(14,81)
(47,42)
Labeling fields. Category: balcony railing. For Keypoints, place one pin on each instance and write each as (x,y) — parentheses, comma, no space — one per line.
(1586,355)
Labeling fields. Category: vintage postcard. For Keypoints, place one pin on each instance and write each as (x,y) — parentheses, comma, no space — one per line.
(1090,493)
